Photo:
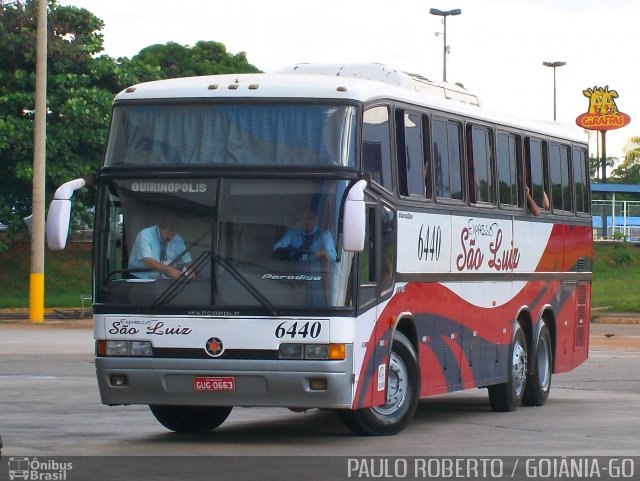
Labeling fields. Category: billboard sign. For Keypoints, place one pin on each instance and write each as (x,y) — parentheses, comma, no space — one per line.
(603,114)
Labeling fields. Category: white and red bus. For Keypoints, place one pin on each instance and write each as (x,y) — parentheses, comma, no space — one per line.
(440,277)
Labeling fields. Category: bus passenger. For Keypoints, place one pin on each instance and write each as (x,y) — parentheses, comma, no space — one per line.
(305,241)
(535,210)
(159,251)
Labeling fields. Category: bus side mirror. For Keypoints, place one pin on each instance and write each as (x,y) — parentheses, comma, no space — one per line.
(353,225)
(60,213)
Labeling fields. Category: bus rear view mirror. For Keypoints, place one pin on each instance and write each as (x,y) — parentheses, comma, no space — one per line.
(60,213)
(353,226)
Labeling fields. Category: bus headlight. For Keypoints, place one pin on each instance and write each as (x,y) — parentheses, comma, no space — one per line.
(141,348)
(124,348)
(291,351)
(316,351)
(118,348)
(334,352)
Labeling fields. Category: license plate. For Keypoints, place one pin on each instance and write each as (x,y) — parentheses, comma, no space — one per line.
(214,384)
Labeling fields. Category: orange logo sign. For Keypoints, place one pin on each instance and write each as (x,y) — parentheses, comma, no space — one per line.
(603,113)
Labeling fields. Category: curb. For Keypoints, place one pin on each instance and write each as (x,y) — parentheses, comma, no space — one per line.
(617,319)
(48,323)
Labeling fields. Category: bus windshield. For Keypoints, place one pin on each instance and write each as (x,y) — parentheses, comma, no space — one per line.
(222,244)
(232,135)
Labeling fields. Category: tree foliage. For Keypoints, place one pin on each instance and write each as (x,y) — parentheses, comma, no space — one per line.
(172,60)
(81,83)
(595,167)
(79,94)
(628,172)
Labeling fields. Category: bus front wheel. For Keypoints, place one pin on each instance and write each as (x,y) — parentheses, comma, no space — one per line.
(190,419)
(403,389)
(507,396)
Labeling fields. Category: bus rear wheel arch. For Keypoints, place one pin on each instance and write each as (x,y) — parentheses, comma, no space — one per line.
(190,419)
(507,396)
(403,390)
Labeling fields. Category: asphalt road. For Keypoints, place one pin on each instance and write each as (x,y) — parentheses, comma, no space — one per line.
(49,406)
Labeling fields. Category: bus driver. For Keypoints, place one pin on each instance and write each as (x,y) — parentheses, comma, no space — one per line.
(157,251)
(305,241)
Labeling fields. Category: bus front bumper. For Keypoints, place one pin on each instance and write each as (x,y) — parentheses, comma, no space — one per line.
(274,383)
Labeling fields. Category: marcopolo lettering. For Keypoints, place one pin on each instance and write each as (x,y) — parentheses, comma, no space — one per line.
(170,187)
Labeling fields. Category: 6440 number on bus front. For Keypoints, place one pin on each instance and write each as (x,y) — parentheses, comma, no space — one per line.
(299,330)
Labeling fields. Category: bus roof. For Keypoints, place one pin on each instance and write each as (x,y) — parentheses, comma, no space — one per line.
(383,73)
(304,82)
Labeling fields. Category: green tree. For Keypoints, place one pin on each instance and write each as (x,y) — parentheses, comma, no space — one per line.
(628,172)
(81,83)
(595,167)
(633,154)
(79,94)
(172,60)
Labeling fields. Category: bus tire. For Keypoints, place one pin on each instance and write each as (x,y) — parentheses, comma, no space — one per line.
(190,419)
(538,384)
(403,390)
(507,396)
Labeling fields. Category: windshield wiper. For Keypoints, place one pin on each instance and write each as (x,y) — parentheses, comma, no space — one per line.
(178,284)
(250,288)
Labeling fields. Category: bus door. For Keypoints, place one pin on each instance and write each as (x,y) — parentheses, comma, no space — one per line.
(376,275)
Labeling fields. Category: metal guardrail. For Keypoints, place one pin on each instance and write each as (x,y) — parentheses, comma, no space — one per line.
(616,220)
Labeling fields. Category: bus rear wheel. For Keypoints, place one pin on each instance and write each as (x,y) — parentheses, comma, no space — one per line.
(507,396)
(403,389)
(190,419)
(538,385)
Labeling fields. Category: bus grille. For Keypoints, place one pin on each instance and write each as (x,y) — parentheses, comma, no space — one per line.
(185,353)
(582,265)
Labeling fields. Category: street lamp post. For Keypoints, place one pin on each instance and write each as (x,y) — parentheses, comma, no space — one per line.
(444,14)
(554,65)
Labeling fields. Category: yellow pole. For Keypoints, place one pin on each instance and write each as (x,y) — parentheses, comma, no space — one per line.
(36,281)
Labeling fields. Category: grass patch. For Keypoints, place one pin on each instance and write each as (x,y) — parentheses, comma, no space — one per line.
(616,277)
(67,275)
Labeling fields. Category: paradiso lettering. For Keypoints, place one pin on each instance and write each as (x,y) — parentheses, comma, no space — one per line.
(499,258)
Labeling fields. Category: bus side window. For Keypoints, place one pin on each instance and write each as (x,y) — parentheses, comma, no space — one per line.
(447,159)
(481,190)
(508,162)
(580,181)
(376,146)
(535,172)
(411,171)
(567,200)
(559,175)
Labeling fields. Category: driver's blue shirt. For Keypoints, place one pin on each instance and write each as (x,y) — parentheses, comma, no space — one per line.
(149,245)
(294,238)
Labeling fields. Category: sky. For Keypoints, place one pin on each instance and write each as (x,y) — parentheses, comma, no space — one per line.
(497,47)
